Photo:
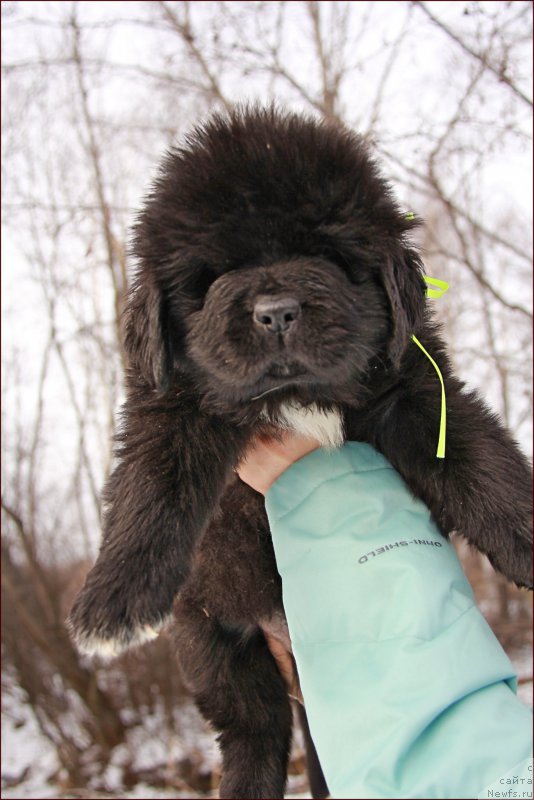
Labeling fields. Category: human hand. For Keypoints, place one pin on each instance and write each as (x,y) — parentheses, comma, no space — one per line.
(267,458)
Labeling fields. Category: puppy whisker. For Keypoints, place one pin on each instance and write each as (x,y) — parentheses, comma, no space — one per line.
(273,389)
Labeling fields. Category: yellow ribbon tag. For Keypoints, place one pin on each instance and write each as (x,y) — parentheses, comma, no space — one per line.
(440,287)
(437,292)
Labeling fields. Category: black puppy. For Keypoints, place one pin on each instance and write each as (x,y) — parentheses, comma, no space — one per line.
(276,288)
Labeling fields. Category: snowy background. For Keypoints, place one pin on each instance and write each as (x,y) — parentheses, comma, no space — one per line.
(93,93)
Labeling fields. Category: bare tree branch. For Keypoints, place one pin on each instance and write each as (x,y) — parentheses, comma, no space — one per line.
(460,213)
(329,78)
(117,267)
(498,72)
(394,52)
(185,31)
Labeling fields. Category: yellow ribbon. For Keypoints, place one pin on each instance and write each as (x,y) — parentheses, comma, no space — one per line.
(439,290)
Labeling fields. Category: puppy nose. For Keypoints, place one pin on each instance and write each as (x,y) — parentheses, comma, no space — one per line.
(275,313)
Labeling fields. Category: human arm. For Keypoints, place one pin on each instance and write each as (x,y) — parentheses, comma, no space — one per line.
(407,691)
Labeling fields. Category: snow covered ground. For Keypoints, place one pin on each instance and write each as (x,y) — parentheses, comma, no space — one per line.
(30,768)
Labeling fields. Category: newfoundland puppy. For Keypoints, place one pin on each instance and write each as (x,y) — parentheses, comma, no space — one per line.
(276,288)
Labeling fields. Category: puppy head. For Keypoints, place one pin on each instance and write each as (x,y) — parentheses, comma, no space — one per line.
(298,324)
(260,207)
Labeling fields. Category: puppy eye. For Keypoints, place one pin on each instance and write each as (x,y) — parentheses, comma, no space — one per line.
(201,281)
(356,274)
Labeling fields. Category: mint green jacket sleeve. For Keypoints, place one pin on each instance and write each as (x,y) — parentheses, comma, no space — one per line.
(407,691)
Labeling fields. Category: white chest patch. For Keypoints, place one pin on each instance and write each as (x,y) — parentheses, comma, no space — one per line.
(325,426)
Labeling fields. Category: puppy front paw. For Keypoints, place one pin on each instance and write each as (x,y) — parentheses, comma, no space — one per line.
(514,560)
(109,618)
(107,645)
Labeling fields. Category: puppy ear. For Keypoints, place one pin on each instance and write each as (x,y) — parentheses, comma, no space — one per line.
(146,335)
(406,290)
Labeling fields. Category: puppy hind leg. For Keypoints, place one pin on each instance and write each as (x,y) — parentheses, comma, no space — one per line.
(239,690)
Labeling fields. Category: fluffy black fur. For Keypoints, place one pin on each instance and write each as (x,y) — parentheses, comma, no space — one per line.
(259,205)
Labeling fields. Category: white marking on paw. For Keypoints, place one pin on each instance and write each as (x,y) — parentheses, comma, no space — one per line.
(325,426)
(113,646)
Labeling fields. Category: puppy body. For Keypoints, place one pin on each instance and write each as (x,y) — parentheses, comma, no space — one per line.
(277,287)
